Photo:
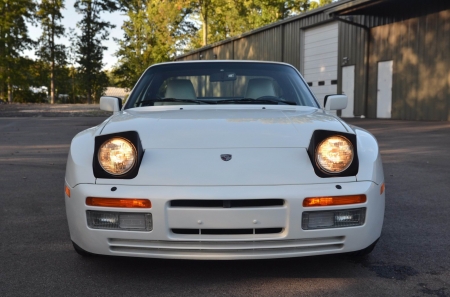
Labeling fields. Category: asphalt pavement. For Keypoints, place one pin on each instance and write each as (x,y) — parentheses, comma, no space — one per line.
(412,257)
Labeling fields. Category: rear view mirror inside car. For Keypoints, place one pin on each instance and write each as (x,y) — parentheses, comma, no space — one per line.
(222,76)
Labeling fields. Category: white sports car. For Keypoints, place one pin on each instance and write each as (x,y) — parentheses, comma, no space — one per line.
(224,160)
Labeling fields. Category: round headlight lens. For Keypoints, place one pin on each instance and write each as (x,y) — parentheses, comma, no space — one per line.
(117,156)
(334,154)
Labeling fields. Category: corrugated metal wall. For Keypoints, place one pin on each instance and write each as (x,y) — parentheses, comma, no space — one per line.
(420,50)
(265,46)
(224,51)
(291,43)
(352,51)
(280,43)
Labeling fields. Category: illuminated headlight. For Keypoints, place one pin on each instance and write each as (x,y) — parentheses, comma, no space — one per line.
(117,156)
(333,218)
(119,220)
(334,154)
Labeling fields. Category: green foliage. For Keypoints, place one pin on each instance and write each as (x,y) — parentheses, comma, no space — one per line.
(49,15)
(13,40)
(227,18)
(89,44)
(157,30)
(319,3)
(27,96)
(154,32)
(29,73)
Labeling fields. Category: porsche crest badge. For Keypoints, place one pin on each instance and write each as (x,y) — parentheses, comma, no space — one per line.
(226,157)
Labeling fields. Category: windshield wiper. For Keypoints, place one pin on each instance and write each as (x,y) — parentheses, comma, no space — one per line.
(173,100)
(260,99)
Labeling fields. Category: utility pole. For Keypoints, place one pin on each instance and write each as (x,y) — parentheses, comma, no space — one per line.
(205,22)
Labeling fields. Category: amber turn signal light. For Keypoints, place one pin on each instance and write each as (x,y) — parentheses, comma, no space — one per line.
(334,200)
(118,202)
(67,190)
(382,189)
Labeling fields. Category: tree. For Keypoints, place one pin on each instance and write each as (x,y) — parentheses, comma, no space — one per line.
(222,19)
(49,15)
(29,73)
(157,30)
(89,45)
(318,3)
(13,40)
(71,54)
(154,32)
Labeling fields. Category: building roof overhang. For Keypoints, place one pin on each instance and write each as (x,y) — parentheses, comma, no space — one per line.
(389,8)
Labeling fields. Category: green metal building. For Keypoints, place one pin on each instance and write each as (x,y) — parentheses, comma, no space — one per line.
(390,57)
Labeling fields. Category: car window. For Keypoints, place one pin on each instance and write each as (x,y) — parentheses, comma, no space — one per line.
(220,83)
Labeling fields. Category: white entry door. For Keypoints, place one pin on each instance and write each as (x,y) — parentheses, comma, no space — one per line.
(348,88)
(384,94)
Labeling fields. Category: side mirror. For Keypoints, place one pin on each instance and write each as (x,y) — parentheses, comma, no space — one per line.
(108,103)
(335,102)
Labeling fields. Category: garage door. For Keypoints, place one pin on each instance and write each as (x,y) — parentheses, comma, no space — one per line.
(320,62)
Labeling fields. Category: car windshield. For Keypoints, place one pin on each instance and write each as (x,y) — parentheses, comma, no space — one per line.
(220,83)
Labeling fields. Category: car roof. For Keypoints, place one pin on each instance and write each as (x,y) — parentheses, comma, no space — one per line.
(222,61)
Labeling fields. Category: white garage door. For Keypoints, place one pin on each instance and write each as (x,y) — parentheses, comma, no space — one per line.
(320,62)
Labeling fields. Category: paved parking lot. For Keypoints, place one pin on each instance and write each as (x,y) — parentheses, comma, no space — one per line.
(36,256)
(51,110)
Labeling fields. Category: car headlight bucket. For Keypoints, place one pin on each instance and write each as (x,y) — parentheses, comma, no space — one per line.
(117,156)
(334,154)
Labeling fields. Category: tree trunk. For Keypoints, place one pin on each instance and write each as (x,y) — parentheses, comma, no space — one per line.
(205,31)
(52,83)
(205,23)
(10,97)
(89,67)
(52,65)
(74,98)
(89,95)
(2,89)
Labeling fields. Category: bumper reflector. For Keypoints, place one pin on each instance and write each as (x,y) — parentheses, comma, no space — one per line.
(118,202)
(334,200)
(67,191)
(333,218)
(119,220)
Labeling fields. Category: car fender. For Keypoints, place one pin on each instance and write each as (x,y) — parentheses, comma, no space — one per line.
(79,161)
(370,164)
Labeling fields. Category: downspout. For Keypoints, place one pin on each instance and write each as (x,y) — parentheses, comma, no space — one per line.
(282,42)
(367,30)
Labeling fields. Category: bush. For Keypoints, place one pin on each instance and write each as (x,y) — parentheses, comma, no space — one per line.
(27,96)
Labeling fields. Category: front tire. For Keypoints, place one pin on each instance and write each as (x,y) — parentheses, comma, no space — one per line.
(364,252)
(81,252)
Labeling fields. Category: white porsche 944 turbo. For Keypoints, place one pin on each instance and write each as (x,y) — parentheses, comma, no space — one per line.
(224,160)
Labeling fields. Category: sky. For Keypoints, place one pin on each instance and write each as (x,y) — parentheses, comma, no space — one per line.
(70,20)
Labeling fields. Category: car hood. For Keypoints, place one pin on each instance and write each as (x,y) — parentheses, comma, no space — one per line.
(224,126)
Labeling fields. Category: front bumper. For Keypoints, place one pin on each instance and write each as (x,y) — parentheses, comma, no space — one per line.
(162,242)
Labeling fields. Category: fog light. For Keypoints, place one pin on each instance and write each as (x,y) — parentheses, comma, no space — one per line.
(333,218)
(119,220)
